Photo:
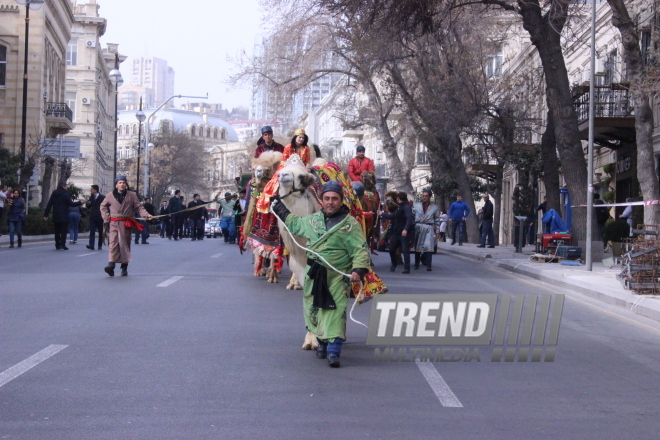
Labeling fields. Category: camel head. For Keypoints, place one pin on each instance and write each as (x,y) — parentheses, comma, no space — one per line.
(265,165)
(369,180)
(294,177)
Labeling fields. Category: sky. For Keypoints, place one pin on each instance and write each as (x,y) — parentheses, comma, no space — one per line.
(194,37)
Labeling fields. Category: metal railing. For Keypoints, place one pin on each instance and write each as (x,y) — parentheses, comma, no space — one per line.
(609,103)
(59,110)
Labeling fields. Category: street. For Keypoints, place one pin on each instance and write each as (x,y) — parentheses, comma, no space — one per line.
(192,346)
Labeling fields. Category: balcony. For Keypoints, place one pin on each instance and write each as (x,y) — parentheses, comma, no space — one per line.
(614,119)
(59,118)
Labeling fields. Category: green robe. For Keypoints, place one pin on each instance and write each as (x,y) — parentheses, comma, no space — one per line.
(345,248)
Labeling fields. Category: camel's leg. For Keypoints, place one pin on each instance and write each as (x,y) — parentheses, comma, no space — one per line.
(294,284)
(311,343)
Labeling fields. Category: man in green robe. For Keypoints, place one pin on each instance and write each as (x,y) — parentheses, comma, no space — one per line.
(338,238)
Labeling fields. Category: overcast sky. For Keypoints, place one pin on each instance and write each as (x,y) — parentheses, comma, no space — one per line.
(195,37)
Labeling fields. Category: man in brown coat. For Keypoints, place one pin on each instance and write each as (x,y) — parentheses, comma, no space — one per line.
(118,209)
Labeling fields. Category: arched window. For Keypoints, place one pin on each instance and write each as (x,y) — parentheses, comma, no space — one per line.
(208,132)
(192,131)
(119,130)
(201,131)
(3,65)
(135,131)
(222,134)
(215,133)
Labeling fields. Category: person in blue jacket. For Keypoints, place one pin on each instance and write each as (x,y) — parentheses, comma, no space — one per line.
(458,212)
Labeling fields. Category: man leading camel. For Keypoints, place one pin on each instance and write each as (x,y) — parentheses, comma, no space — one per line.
(338,238)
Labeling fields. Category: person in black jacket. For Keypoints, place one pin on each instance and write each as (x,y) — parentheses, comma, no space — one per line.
(403,223)
(197,216)
(60,201)
(95,219)
(164,221)
(487,225)
(144,233)
(176,220)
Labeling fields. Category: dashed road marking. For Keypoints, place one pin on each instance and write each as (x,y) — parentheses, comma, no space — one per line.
(84,255)
(217,255)
(169,282)
(442,391)
(31,362)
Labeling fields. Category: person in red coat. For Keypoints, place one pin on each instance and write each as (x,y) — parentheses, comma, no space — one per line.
(359,164)
(266,142)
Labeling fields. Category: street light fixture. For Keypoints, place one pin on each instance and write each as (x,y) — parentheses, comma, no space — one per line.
(140,116)
(117,81)
(34,5)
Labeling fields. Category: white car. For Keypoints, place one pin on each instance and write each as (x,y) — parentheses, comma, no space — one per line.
(212,228)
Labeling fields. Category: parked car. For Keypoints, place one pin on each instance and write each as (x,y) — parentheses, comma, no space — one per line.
(212,228)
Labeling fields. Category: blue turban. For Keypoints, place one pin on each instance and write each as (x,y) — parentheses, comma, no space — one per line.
(332,186)
(358,188)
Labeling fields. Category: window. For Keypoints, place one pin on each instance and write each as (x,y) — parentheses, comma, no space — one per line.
(71,102)
(192,131)
(215,133)
(494,65)
(222,134)
(645,45)
(72,53)
(135,129)
(3,65)
(120,130)
(208,132)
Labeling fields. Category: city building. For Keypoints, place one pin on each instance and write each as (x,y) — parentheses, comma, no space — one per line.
(91,97)
(48,115)
(151,73)
(130,94)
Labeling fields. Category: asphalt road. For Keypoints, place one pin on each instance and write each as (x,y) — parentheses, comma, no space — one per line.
(216,354)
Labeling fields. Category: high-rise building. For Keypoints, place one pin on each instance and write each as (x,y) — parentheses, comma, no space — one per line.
(151,73)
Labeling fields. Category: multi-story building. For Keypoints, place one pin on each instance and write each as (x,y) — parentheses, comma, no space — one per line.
(130,95)
(91,97)
(48,114)
(151,73)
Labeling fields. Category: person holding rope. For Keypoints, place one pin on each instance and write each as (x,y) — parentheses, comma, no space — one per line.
(336,245)
(117,210)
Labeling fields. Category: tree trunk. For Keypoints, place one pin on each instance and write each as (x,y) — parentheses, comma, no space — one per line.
(497,195)
(632,54)
(399,176)
(49,164)
(545,36)
(26,173)
(452,151)
(65,172)
(550,168)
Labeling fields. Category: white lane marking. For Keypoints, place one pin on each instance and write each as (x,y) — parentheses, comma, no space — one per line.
(27,364)
(217,255)
(84,255)
(169,282)
(442,391)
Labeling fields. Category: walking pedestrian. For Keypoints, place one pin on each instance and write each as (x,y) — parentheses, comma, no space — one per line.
(602,216)
(118,209)
(628,215)
(16,218)
(458,212)
(487,226)
(164,221)
(143,235)
(197,217)
(338,238)
(3,198)
(75,214)
(401,227)
(443,227)
(95,219)
(176,220)
(427,229)
(60,201)
(227,223)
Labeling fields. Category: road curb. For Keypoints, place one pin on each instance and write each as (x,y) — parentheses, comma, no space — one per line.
(647,307)
(32,238)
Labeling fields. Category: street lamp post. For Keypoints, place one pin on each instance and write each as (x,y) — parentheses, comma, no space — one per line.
(34,5)
(147,130)
(140,117)
(590,148)
(117,81)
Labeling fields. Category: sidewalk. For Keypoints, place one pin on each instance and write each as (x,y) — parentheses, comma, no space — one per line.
(4,240)
(600,283)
